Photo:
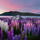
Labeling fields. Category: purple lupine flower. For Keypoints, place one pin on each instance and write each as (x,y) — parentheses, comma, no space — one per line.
(1,34)
(36,34)
(38,30)
(0,38)
(16,37)
(39,27)
(29,30)
(13,38)
(19,24)
(19,37)
(12,35)
(25,37)
(21,29)
(35,30)
(9,23)
(9,35)
(32,29)
(25,29)
(12,30)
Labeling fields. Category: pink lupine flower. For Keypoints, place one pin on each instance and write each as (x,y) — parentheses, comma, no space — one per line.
(10,25)
(23,31)
(18,24)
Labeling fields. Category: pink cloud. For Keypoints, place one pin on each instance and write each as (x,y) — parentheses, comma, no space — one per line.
(11,6)
(35,11)
(8,6)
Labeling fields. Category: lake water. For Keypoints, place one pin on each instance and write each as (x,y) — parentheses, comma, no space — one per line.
(21,16)
(30,16)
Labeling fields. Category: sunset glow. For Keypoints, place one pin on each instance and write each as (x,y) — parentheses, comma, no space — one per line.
(20,5)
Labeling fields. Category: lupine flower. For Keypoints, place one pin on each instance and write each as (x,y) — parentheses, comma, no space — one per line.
(25,37)
(2,24)
(19,37)
(15,37)
(6,26)
(25,28)
(1,34)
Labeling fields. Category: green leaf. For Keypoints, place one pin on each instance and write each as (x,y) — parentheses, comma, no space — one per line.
(9,28)
(4,34)
(18,31)
(24,35)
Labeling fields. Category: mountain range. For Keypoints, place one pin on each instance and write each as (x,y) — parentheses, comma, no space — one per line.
(13,13)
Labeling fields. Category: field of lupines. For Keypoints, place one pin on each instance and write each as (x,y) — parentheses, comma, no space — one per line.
(25,29)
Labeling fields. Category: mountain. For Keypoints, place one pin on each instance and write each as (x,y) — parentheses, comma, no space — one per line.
(13,13)
(17,17)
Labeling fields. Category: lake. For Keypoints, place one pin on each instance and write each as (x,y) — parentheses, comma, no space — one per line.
(21,16)
(30,16)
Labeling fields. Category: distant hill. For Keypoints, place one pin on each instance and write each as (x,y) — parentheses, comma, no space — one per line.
(13,13)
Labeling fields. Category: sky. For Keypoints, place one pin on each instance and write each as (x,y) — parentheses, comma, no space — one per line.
(32,6)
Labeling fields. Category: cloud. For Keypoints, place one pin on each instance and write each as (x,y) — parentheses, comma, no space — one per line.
(20,5)
(35,11)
